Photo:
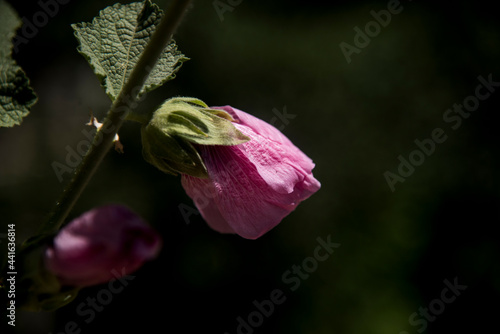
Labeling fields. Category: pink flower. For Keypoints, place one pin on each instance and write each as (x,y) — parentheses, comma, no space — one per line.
(100,243)
(254,185)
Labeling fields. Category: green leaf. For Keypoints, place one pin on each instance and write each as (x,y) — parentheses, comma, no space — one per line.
(16,95)
(114,41)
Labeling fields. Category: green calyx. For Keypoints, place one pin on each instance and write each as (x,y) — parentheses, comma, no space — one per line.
(179,123)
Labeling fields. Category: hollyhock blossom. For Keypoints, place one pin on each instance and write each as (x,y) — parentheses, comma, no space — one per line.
(103,242)
(251,186)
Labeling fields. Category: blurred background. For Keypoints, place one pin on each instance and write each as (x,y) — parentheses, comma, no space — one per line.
(353,115)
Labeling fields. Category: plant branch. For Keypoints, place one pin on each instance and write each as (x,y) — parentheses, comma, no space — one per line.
(120,108)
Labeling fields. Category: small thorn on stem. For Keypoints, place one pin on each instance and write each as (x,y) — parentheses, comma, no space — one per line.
(94,122)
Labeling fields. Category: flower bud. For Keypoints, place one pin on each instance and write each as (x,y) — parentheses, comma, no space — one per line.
(179,124)
(251,187)
(101,245)
(92,248)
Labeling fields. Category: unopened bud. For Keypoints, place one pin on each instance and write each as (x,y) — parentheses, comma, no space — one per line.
(170,137)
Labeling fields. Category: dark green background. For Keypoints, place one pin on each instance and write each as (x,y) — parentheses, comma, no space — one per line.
(353,120)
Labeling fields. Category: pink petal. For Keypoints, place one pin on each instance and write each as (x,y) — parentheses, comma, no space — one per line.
(254,185)
(268,131)
(202,191)
(86,251)
(245,201)
(277,167)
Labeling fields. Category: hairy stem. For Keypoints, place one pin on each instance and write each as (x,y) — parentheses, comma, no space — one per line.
(117,113)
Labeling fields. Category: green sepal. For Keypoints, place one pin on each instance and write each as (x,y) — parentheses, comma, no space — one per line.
(179,123)
(194,121)
(169,154)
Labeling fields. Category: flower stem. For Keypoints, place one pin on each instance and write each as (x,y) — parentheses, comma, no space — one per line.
(117,113)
